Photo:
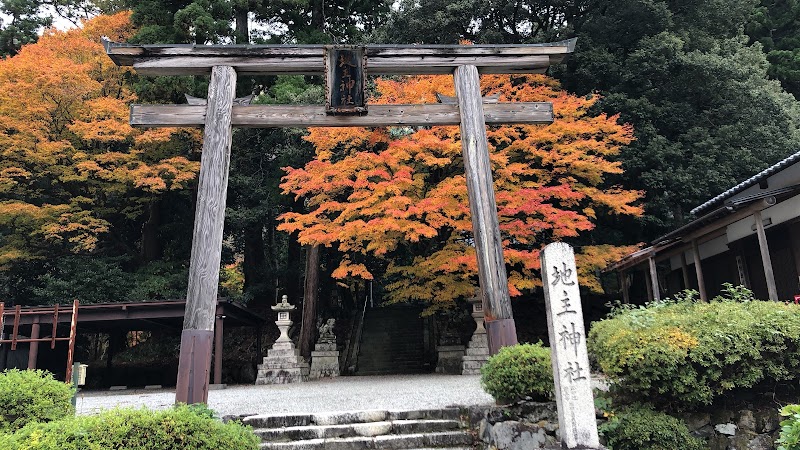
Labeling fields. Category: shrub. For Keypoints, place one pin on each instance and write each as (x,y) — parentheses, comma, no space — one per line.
(519,371)
(683,355)
(182,427)
(790,428)
(642,428)
(32,396)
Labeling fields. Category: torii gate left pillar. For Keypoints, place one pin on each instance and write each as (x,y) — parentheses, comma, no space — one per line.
(194,363)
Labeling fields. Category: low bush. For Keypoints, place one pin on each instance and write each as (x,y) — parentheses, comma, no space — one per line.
(519,371)
(790,428)
(32,396)
(182,427)
(681,355)
(642,428)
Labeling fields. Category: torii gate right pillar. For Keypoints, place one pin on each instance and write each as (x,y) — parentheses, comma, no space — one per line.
(500,325)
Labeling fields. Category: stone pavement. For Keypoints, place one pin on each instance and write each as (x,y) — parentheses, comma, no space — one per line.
(386,392)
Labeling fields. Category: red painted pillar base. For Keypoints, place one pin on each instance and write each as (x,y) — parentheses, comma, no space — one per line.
(194,366)
(501,333)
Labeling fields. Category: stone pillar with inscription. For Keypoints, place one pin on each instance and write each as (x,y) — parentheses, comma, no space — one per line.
(283,363)
(478,347)
(576,416)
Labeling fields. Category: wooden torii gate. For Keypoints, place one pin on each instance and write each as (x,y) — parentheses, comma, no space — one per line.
(344,108)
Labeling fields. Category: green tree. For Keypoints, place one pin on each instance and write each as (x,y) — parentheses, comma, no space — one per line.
(21,25)
(706,115)
(775,24)
(480,21)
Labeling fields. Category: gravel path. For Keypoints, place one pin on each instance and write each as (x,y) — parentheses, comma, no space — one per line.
(391,392)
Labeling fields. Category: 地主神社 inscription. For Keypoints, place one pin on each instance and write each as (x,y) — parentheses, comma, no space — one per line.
(345,80)
(576,417)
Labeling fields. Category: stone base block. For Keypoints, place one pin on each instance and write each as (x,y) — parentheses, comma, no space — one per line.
(325,354)
(324,362)
(478,351)
(283,365)
(280,376)
(283,352)
(449,359)
(471,365)
(268,364)
(479,340)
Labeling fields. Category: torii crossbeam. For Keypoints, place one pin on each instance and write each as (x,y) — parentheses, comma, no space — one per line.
(219,115)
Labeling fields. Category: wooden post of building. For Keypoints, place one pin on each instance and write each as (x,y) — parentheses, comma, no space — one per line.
(654,278)
(218,329)
(73,332)
(194,362)
(794,238)
(698,270)
(648,281)
(684,271)
(765,258)
(483,207)
(623,282)
(33,350)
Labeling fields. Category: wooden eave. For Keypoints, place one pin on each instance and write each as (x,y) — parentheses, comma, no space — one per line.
(703,229)
(188,59)
(136,315)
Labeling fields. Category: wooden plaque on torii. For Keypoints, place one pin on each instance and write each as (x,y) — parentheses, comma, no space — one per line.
(219,115)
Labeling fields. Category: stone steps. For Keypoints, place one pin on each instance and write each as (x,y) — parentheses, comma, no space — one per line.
(416,430)
(447,439)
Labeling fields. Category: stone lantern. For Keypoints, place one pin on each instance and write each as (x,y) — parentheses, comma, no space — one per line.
(283,364)
(478,348)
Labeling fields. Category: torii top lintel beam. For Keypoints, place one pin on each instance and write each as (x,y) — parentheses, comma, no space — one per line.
(189,59)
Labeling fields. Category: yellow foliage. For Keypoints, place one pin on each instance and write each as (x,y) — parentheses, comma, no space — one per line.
(64,132)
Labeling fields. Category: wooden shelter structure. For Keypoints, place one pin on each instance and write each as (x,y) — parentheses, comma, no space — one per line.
(345,68)
(110,317)
(748,235)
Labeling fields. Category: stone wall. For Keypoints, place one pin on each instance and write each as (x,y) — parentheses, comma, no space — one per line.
(750,428)
(534,425)
(523,426)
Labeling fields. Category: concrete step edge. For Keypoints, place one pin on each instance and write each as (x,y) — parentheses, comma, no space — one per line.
(349,417)
(371,429)
(405,441)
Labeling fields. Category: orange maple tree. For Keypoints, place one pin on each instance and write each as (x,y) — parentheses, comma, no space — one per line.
(68,157)
(400,193)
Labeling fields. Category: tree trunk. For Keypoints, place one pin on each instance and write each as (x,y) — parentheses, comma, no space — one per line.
(294,256)
(151,245)
(242,28)
(318,15)
(256,280)
(677,211)
(310,296)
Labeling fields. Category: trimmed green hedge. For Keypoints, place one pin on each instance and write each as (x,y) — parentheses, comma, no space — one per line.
(32,396)
(519,371)
(642,428)
(790,428)
(684,354)
(182,427)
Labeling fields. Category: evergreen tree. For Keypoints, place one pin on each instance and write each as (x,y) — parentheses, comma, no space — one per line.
(24,19)
(704,112)
(775,24)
